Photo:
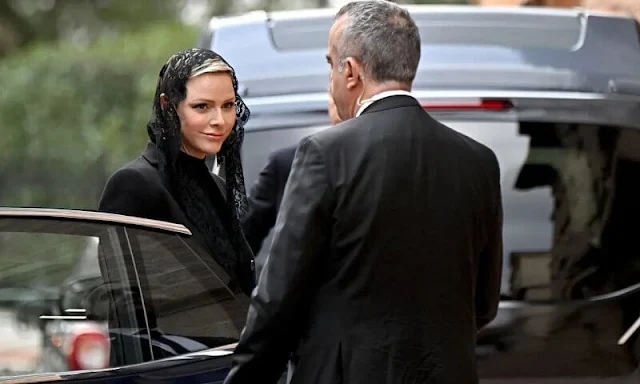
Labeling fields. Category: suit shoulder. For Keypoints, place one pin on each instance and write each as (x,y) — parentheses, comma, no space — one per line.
(285,154)
(336,133)
(282,158)
(137,172)
(135,190)
(481,155)
(475,146)
(482,150)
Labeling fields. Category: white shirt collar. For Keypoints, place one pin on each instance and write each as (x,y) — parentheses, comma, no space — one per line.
(212,163)
(366,103)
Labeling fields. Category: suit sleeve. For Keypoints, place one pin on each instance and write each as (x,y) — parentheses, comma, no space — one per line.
(288,279)
(489,275)
(126,193)
(262,212)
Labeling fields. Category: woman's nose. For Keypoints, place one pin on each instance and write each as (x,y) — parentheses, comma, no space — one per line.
(217,117)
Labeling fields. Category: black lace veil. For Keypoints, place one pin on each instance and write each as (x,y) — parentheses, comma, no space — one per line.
(217,220)
(164,126)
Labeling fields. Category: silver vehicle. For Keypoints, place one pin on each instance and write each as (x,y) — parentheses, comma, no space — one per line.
(556,94)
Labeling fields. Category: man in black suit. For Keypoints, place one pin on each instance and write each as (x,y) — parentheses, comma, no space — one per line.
(266,194)
(387,253)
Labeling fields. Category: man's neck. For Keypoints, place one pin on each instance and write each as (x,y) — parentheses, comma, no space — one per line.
(376,89)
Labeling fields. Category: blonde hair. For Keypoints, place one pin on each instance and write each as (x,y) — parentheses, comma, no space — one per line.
(214,65)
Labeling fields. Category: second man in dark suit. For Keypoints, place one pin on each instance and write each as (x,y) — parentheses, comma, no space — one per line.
(266,194)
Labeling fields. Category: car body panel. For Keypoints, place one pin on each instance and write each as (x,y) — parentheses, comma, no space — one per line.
(463,47)
(195,363)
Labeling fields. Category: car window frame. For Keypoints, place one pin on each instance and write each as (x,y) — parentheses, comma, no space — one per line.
(118,267)
(241,299)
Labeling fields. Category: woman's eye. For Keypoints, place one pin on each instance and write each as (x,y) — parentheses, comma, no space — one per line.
(229,105)
(200,106)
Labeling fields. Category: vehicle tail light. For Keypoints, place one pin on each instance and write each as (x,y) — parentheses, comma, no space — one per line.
(482,104)
(89,350)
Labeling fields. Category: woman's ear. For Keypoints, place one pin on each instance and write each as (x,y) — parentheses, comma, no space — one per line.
(164,101)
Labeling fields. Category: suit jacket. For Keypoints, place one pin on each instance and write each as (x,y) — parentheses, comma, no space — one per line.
(137,189)
(386,258)
(265,197)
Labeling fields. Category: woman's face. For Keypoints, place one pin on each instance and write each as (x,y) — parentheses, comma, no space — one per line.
(207,114)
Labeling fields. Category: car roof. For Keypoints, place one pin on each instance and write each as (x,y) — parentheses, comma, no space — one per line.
(463,47)
(93,216)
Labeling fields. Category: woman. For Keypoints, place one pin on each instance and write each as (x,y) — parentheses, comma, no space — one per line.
(196,112)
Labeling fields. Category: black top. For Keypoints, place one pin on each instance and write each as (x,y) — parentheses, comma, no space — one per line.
(138,189)
(195,169)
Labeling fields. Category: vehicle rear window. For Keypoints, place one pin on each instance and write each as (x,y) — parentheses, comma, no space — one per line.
(531,30)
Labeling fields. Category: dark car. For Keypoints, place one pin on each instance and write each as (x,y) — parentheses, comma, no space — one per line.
(556,94)
(136,300)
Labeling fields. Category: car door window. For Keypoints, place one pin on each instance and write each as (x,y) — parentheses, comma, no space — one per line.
(190,305)
(62,283)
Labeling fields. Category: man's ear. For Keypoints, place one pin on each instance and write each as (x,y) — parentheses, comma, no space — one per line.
(353,72)
(164,101)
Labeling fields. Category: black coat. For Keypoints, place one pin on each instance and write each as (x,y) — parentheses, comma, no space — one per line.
(265,197)
(137,189)
(386,258)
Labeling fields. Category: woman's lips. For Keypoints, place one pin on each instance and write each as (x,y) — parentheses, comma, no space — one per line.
(214,135)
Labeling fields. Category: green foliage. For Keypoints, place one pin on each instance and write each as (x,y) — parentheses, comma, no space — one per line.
(70,115)
(28,21)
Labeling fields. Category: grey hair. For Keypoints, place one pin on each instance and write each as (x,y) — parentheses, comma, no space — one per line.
(383,37)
